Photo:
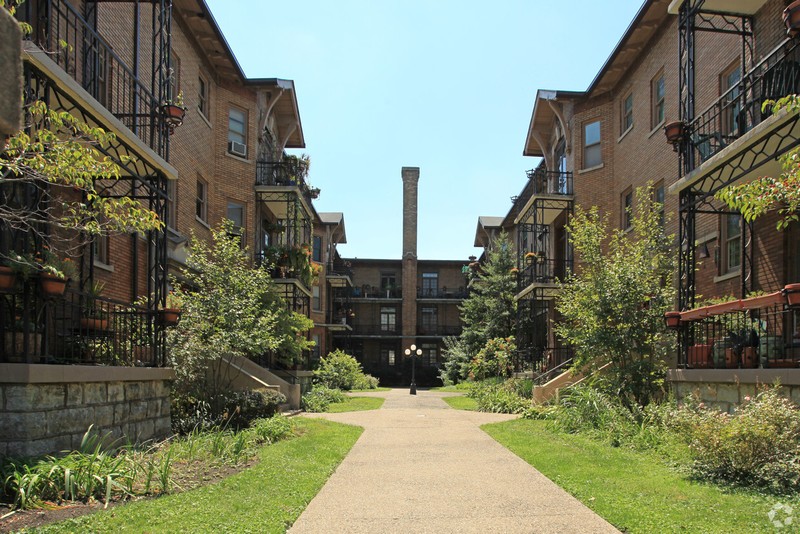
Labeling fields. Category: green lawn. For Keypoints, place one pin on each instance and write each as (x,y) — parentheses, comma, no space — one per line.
(462,403)
(369,390)
(356,404)
(636,492)
(267,497)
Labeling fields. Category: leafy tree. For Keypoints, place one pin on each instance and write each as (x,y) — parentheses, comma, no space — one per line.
(339,370)
(58,156)
(767,193)
(613,306)
(495,359)
(488,312)
(230,308)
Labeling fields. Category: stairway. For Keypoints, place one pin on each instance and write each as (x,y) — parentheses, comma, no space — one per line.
(569,378)
(244,374)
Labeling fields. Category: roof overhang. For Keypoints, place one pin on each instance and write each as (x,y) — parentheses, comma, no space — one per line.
(739,7)
(286,111)
(486,227)
(334,220)
(542,119)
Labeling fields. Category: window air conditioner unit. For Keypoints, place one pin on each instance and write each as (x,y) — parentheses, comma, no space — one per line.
(238,149)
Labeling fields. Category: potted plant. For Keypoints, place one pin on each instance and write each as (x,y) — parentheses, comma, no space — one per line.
(672,319)
(170,314)
(530,258)
(791,18)
(675,132)
(792,291)
(55,273)
(173,112)
(96,318)
(699,356)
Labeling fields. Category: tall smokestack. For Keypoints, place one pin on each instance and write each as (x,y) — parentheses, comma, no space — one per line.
(410,179)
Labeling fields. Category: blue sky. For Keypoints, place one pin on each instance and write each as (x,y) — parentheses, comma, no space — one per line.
(444,85)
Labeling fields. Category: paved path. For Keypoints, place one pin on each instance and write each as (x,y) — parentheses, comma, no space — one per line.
(421,466)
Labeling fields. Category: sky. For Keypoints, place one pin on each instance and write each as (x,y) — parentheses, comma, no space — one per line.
(447,86)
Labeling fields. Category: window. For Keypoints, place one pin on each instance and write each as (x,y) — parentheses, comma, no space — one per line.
(658,196)
(658,94)
(627,209)
(731,104)
(429,320)
(430,354)
(388,319)
(731,243)
(315,300)
(388,282)
(172,194)
(316,251)
(430,284)
(100,249)
(236,214)
(591,145)
(237,132)
(627,113)
(201,205)
(388,356)
(203,103)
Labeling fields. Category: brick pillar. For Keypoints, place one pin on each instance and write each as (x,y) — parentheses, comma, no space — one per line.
(409,317)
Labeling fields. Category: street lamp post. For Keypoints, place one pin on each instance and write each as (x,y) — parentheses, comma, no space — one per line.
(412,352)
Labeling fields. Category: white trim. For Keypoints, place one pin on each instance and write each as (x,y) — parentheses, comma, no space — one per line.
(728,276)
(589,169)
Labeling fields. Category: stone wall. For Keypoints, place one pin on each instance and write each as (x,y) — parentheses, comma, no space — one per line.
(48,408)
(725,389)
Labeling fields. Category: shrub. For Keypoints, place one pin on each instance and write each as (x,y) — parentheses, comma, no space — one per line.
(235,409)
(759,445)
(273,429)
(319,398)
(339,370)
(497,397)
(494,359)
(366,382)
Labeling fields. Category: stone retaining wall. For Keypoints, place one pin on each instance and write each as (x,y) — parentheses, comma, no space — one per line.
(48,408)
(725,389)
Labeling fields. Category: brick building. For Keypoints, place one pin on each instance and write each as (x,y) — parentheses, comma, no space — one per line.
(118,65)
(709,65)
(396,303)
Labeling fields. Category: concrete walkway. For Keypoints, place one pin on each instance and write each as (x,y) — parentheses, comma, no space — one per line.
(421,466)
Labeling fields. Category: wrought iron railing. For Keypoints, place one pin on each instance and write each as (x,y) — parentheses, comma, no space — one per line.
(74,328)
(70,41)
(441,293)
(369,329)
(739,109)
(438,330)
(544,182)
(543,271)
(339,268)
(369,292)
(545,362)
(749,333)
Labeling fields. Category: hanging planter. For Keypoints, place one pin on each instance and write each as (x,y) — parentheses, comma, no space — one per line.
(792,292)
(169,316)
(52,285)
(173,116)
(675,132)
(791,18)
(7,278)
(672,319)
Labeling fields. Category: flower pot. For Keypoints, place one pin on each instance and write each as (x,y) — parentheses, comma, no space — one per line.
(7,278)
(749,357)
(169,316)
(52,285)
(764,301)
(699,356)
(672,319)
(674,131)
(791,18)
(731,359)
(94,323)
(173,116)
(720,355)
(792,291)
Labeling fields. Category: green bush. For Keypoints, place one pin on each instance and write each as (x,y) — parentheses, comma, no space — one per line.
(234,409)
(273,429)
(366,382)
(339,370)
(497,396)
(319,398)
(759,445)
(494,359)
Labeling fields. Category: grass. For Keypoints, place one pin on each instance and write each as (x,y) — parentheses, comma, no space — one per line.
(356,404)
(267,497)
(450,389)
(369,390)
(462,403)
(636,492)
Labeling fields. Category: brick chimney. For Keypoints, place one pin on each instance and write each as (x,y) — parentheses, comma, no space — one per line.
(410,179)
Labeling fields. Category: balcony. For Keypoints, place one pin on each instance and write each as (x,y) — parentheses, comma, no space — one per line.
(284,174)
(739,110)
(758,332)
(438,330)
(75,46)
(339,273)
(543,271)
(544,182)
(441,293)
(370,292)
(377,330)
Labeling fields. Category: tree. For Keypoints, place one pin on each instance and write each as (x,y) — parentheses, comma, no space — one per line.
(767,193)
(488,312)
(612,308)
(231,308)
(57,156)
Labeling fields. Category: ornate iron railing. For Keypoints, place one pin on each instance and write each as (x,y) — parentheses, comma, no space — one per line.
(543,271)
(441,293)
(544,182)
(438,330)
